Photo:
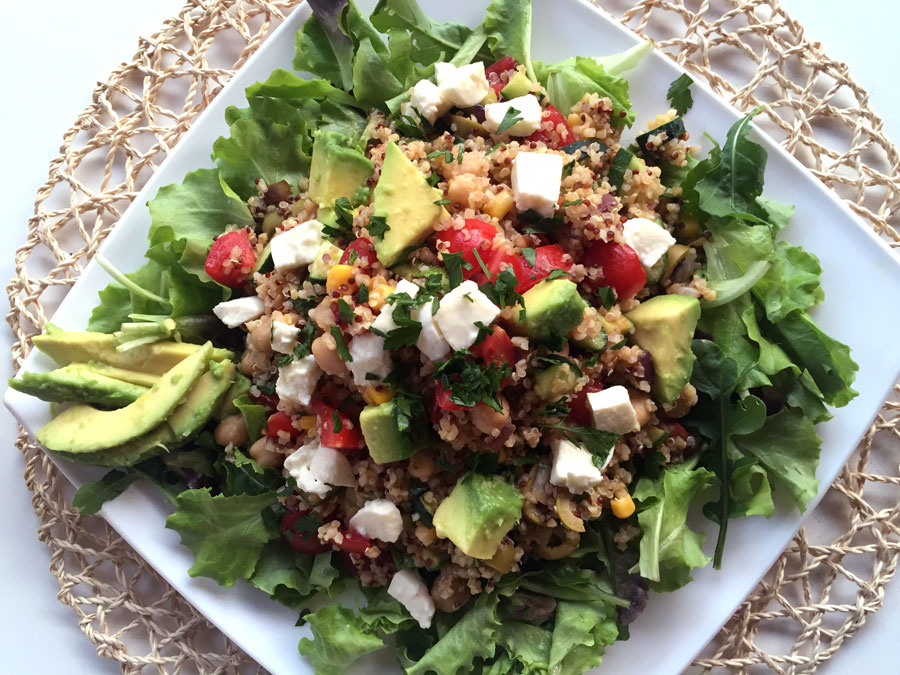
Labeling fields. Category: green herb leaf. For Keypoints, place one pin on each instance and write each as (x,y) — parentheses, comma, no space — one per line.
(511,117)
(341,344)
(362,295)
(530,255)
(378,226)
(679,93)
(455,264)
(90,497)
(345,311)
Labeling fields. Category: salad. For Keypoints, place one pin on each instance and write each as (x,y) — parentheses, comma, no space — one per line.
(447,325)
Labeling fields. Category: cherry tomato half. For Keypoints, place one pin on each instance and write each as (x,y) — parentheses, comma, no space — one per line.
(277,422)
(494,73)
(230,259)
(298,537)
(559,127)
(497,348)
(442,398)
(476,235)
(354,542)
(347,437)
(620,267)
(364,251)
(546,259)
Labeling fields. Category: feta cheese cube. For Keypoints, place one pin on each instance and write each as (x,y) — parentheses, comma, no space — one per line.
(612,410)
(425,99)
(378,519)
(297,380)
(431,341)
(573,467)
(648,239)
(369,356)
(284,337)
(297,246)
(459,310)
(409,590)
(536,177)
(529,114)
(235,312)
(464,86)
(332,467)
(385,321)
(297,466)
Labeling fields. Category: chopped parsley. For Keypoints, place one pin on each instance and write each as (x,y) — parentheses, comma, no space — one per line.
(345,311)
(459,158)
(679,93)
(455,264)
(530,255)
(598,443)
(502,291)
(510,119)
(494,148)
(425,516)
(342,230)
(408,126)
(362,295)
(481,264)
(574,202)
(378,226)
(342,350)
(556,274)
(471,382)
(606,295)
(304,344)
(434,179)
(408,329)
(558,359)
(336,422)
(441,202)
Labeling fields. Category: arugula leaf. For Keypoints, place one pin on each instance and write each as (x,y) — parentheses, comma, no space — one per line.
(226,534)
(669,548)
(679,93)
(91,497)
(507,24)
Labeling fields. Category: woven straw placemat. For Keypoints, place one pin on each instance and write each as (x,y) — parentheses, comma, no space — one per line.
(825,584)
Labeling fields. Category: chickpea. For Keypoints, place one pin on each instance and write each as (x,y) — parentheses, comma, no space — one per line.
(642,404)
(324,349)
(261,336)
(253,362)
(449,591)
(232,429)
(264,455)
(422,466)
(486,419)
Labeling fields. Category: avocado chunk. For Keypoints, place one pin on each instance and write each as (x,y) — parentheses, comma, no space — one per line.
(478,513)
(327,257)
(551,308)
(420,272)
(337,168)
(552,383)
(82,428)
(599,341)
(77,382)
(406,201)
(384,438)
(664,326)
(185,421)
(156,358)
(518,85)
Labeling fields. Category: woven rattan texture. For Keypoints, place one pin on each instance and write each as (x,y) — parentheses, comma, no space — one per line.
(822,588)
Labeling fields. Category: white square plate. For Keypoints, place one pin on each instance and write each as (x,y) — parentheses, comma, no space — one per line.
(860,273)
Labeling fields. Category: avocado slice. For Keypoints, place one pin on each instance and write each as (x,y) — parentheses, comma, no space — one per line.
(77,382)
(664,326)
(551,308)
(421,272)
(82,428)
(518,85)
(239,387)
(185,421)
(156,358)
(478,513)
(337,168)
(385,440)
(123,374)
(406,201)
(599,341)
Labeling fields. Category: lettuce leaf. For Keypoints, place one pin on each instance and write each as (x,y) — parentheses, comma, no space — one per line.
(340,636)
(568,81)
(580,633)
(290,578)
(526,645)
(225,534)
(117,302)
(322,48)
(507,24)
(669,548)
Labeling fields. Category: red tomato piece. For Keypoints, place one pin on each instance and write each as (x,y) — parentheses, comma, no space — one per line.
(348,436)
(476,235)
(298,537)
(354,542)
(442,398)
(621,268)
(675,429)
(364,250)
(280,421)
(580,413)
(270,401)
(497,348)
(231,259)
(546,259)
(556,118)
(495,71)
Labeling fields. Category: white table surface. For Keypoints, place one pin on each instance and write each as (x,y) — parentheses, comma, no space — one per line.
(48,79)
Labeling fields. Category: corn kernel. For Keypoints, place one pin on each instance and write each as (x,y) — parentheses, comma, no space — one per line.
(501,205)
(377,296)
(622,505)
(338,276)
(308,422)
(376,395)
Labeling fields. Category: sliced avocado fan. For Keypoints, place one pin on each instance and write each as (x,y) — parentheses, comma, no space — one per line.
(78,382)
(86,429)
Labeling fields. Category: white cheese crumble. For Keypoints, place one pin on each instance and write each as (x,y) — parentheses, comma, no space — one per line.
(536,178)
(297,380)
(648,239)
(431,341)
(409,590)
(612,410)
(284,337)
(460,310)
(529,114)
(385,320)
(464,86)
(426,100)
(378,519)
(316,468)
(297,246)
(369,356)
(235,312)
(573,466)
